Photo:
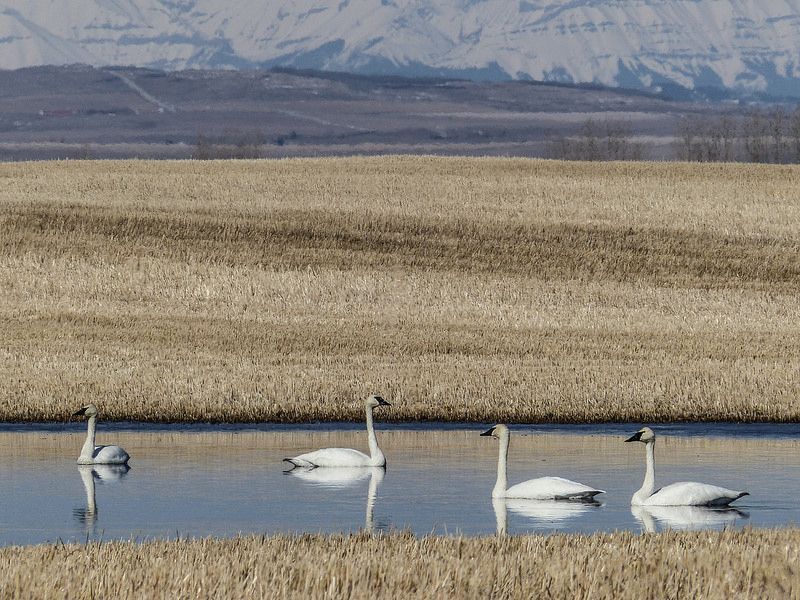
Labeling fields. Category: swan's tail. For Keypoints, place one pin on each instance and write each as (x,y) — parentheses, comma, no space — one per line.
(299,463)
(725,501)
(291,462)
(589,495)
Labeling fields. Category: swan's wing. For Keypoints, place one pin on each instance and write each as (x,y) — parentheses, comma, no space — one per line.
(552,488)
(110,455)
(692,517)
(692,493)
(331,457)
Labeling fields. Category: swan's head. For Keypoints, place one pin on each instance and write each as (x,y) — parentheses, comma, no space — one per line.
(90,410)
(496,431)
(644,435)
(376,400)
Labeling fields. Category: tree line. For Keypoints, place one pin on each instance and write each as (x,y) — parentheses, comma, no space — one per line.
(771,136)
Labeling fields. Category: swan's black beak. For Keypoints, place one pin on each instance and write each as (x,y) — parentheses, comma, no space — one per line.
(635,437)
(80,412)
(488,432)
(381,401)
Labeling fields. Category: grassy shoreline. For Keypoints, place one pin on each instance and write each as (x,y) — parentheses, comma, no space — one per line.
(462,289)
(734,563)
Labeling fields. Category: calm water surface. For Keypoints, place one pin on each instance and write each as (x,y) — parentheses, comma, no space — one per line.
(222,481)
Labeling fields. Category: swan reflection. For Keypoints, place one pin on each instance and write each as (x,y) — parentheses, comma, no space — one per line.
(89,474)
(686,517)
(345,477)
(550,514)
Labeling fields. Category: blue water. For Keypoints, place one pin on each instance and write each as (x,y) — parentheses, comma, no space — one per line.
(212,480)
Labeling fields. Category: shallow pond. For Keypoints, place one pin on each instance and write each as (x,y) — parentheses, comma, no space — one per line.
(220,481)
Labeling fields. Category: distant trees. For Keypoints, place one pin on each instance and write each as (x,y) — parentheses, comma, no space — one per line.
(231,143)
(706,140)
(793,131)
(604,140)
(761,137)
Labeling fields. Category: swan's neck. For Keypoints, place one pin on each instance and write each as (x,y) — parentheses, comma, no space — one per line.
(501,485)
(375,453)
(649,485)
(87,452)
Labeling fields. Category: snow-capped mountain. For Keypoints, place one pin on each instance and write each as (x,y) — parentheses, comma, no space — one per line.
(745,45)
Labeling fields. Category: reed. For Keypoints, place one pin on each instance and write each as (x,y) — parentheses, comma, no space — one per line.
(728,564)
(462,289)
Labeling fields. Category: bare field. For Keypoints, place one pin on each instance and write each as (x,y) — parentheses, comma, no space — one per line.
(462,289)
(729,564)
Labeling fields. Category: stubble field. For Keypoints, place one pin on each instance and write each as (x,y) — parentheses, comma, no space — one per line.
(729,564)
(461,289)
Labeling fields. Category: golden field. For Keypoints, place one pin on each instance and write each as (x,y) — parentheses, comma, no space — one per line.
(460,288)
(710,565)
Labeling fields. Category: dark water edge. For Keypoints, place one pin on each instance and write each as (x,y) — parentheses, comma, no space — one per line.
(722,429)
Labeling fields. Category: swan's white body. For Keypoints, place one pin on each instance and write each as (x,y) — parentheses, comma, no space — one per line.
(542,488)
(98,455)
(347,457)
(683,493)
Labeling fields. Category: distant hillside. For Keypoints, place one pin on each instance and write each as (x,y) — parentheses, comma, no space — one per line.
(744,46)
(81,111)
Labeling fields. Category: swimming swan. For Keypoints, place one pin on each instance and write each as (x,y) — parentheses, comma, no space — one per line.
(542,488)
(98,455)
(346,457)
(684,493)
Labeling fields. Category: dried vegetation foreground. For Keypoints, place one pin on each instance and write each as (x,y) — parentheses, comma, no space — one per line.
(729,564)
(462,289)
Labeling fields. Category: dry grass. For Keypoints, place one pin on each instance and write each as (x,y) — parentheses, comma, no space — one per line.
(462,289)
(729,564)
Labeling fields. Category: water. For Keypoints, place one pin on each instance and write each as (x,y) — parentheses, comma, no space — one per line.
(220,481)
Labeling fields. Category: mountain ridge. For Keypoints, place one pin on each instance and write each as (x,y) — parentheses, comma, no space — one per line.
(743,46)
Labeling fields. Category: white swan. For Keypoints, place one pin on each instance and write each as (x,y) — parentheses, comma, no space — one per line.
(686,517)
(98,455)
(346,457)
(542,488)
(684,493)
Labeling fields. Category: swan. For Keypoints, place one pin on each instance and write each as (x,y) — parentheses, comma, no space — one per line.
(686,517)
(684,493)
(346,457)
(542,488)
(98,455)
